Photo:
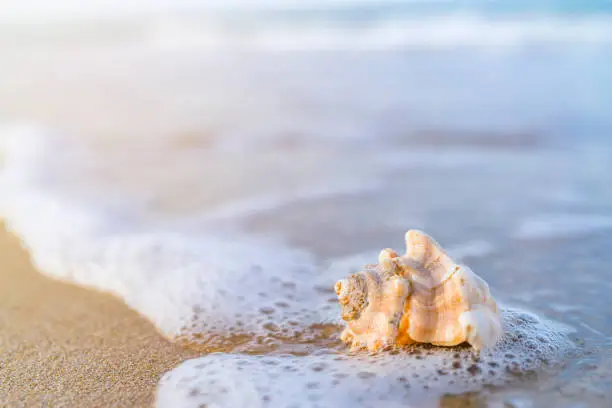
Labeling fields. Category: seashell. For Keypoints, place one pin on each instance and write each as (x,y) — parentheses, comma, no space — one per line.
(420,297)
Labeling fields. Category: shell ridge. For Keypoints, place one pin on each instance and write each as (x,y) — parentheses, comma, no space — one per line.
(423,296)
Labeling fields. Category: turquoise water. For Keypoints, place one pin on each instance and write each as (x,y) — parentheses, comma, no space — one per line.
(375,10)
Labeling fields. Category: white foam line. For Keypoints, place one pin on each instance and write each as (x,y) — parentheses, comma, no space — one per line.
(562,225)
(592,330)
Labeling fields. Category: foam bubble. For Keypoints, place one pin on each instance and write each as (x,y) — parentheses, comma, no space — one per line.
(330,379)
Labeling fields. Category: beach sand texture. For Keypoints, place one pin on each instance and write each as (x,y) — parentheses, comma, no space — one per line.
(61,345)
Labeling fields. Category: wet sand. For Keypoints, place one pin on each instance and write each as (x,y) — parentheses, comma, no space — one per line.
(61,345)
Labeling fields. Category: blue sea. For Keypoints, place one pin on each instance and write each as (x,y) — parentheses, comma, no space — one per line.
(218,165)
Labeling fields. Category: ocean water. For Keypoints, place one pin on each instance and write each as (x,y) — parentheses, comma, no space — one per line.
(218,166)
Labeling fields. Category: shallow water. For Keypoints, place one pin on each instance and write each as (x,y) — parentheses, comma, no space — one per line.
(221,193)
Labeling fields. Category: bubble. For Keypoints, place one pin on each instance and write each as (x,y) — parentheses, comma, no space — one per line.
(318,367)
(474,369)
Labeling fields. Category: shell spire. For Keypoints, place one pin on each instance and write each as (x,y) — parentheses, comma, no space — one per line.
(422,296)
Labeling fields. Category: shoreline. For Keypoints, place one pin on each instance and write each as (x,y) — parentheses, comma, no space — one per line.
(61,344)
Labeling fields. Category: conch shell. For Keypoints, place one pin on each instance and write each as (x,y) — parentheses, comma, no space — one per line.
(421,297)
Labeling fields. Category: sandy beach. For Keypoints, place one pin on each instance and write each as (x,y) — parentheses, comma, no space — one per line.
(61,345)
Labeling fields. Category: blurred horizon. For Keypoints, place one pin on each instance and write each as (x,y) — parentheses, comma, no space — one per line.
(75,8)
(368,24)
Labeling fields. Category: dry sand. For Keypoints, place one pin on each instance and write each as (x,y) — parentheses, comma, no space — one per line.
(61,345)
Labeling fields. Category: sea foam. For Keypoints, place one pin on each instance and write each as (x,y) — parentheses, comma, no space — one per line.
(197,286)
(335,379)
